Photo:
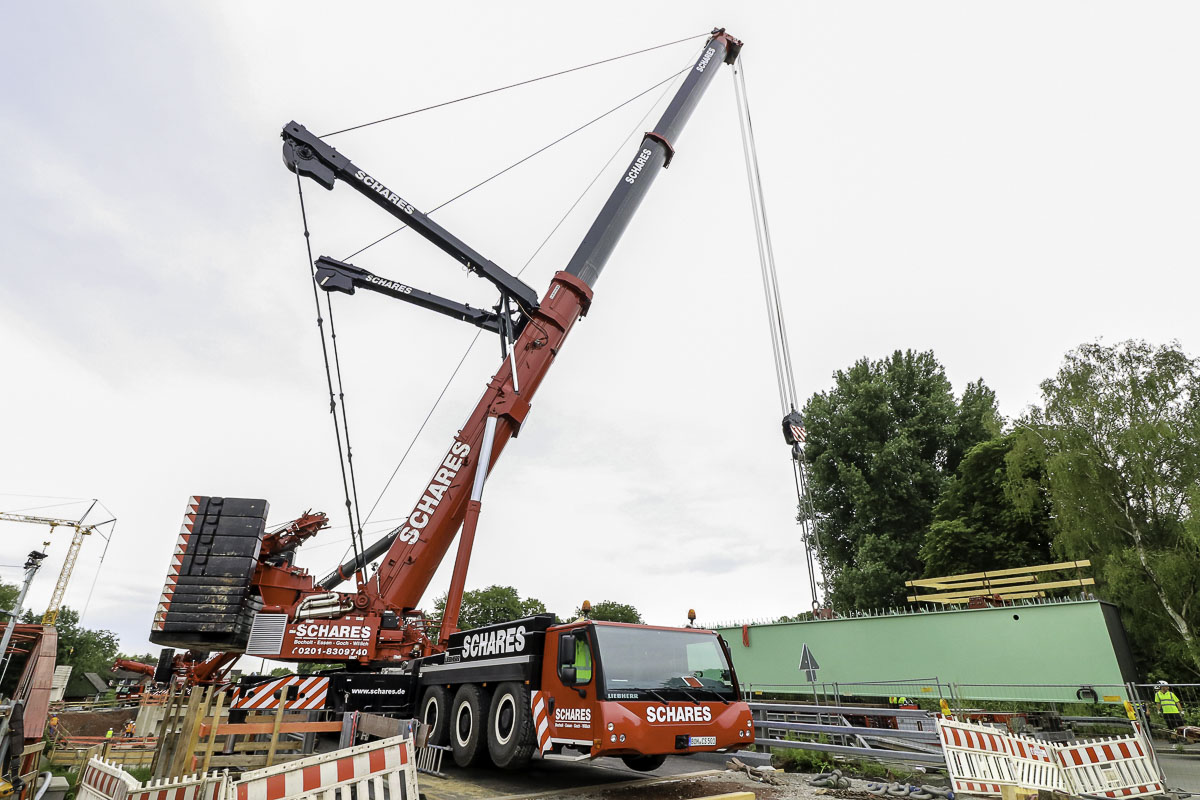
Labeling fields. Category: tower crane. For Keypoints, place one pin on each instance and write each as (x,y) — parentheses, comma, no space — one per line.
(81,529)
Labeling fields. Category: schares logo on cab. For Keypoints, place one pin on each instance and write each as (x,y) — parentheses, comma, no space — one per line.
(678,714)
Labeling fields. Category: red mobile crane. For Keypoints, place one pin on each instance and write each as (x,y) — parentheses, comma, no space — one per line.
(503,691)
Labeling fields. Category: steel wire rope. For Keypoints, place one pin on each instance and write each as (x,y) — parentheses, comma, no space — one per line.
(337,364)
(514,85)
(515,164)
(780,351)
(633,131)
(328,375)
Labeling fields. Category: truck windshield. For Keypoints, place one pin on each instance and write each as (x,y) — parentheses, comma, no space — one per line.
(648,664)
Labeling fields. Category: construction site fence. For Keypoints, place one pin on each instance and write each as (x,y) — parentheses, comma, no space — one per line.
(877,734)
(385,768)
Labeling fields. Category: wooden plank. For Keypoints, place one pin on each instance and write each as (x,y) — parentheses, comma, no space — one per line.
(1002,572)
(937,583)
(275,732)
(1011,593)
(251,762)
(212,737)
(254,747)
(257,728)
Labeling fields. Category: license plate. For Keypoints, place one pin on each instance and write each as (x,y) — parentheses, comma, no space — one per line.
(702,741)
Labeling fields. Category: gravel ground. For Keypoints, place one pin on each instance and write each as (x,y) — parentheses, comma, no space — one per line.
(793,786)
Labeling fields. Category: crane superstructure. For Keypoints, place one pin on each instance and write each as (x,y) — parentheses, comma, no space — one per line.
(504,691)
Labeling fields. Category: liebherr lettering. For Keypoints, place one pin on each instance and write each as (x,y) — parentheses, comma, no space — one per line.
(434,492)
(393,198)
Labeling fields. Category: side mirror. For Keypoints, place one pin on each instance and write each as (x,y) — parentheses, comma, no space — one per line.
(566,650)
(566,659)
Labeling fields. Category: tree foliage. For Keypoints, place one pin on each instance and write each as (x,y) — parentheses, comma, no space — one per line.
(491,605)
(612,611)
(1121,428)
(880,446)
(983,519)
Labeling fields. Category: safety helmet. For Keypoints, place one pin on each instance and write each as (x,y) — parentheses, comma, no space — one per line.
(1162,683)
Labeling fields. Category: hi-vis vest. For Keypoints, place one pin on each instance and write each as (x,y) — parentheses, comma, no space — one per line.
(583,661)
(1168,703)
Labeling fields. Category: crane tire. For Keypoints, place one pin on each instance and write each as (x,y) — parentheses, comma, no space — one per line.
(468,725)
(510,736)
(644,763)
(435,712)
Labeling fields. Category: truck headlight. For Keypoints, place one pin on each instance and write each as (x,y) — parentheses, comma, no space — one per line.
(610,726)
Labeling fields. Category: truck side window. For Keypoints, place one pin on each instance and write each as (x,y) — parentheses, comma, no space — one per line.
(583,660)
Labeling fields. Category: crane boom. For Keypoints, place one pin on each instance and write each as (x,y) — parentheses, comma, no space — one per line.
(297,616)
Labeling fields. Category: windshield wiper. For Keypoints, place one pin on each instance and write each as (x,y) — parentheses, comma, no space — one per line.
(661,699)
(689,695)
(715,694)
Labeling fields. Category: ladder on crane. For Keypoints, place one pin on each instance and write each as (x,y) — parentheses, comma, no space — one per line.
(81,529)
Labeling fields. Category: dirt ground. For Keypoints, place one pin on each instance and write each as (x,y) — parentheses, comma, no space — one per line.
(95,723)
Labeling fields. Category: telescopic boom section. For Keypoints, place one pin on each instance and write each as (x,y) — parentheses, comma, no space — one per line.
(416,548)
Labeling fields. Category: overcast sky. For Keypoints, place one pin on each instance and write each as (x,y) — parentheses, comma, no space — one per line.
(997,182)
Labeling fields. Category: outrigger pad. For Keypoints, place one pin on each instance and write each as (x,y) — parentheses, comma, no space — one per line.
(206,601)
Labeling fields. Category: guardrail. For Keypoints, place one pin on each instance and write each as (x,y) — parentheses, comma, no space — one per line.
(885,734)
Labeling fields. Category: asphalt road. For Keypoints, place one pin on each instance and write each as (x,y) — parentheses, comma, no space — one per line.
(1182,770)
(551,777)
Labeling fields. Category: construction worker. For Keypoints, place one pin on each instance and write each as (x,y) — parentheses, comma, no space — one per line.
(129,729)
(109,734)
(583,659)
(53,726)
(1168,704)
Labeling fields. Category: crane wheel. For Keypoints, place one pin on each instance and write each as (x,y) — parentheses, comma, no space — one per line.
(468,725)
(644,763)
(435,712)
(510,735)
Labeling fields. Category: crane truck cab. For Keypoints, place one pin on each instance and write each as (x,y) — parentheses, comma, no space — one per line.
(502,693)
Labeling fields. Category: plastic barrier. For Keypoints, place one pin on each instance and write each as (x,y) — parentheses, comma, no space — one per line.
(977,757)
(385,768)
(104,781)
(1034,764)
(367,770)
(981,760)
(1110,768)
(193,787)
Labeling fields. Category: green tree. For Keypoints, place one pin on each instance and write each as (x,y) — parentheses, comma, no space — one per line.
(978,525)
(491,605)
(612,611)
(8,597)
(84,649)
(1121,427)
(880,446)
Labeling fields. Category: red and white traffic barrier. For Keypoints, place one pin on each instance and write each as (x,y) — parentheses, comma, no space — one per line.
(309,694)
(1110,768)
(386,768)
(981,759)
(977,757)
(368,770)
(104,781)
